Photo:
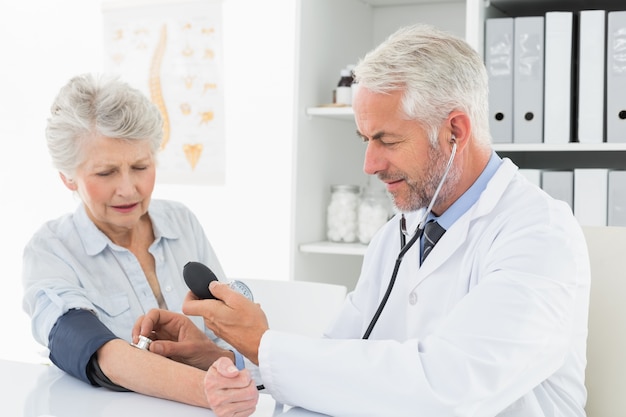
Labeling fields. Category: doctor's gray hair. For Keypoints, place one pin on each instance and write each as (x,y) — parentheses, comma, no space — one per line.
(438,72)
(89,106)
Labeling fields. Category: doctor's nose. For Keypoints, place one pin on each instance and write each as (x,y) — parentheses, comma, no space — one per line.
(374,161)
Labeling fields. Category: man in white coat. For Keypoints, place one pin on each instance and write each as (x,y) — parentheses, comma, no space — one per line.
(492,323)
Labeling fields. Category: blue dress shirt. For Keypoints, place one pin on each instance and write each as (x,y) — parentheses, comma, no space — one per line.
(468,199)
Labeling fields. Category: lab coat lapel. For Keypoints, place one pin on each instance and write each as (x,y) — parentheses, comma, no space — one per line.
(457,234)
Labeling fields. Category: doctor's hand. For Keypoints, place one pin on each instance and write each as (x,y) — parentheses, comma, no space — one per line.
(229,391)
(232,317)
(175,336)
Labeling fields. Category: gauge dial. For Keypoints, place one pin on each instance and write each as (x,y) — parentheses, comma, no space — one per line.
(241,288)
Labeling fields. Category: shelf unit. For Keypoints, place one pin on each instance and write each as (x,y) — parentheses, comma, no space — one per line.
(327,151)
(334,33)
(346,113)
(341,113)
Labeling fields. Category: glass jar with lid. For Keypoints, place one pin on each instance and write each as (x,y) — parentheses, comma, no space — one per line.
(374,210)
(341,213)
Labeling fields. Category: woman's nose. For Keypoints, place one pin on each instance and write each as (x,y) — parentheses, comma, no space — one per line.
(126,185)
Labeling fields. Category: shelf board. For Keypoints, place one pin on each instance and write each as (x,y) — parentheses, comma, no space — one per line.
(391,3)
(342,113)
(346,113)
(334,248)
(538,7)
(565,147)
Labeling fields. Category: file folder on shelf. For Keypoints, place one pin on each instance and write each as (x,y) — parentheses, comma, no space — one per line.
(617,198)
(591,76)
(590,196)
(499,63)
(560,185)
(616,77)
(559,77)
(528,80)
(532,174)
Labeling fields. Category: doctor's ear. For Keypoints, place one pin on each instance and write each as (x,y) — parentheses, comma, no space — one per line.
(459,126)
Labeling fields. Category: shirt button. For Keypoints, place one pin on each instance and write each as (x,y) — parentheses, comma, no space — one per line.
(168,288)
(412,298)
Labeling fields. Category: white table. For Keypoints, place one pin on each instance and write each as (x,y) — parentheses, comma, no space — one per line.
(33,390)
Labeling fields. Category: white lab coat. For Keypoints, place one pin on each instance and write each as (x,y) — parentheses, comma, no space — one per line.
(499,327)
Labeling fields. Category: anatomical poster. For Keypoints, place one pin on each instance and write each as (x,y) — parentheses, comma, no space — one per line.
(173,52)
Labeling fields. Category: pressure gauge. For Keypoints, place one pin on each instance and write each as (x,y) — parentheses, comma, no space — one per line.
(241,288)
(198,277)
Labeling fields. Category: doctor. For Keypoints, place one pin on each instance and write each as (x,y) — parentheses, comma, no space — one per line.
(492,323)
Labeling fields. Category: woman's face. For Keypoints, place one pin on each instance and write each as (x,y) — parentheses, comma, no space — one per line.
(115,182)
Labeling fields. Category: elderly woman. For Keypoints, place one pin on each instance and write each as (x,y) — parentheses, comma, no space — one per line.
(90,274)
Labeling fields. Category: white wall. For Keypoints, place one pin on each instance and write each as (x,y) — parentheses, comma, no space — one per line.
(45,42)
(450,18)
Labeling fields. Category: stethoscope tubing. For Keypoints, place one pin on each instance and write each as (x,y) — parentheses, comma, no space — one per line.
(404,247)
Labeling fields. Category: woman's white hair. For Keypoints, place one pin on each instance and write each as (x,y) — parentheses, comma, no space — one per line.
(89,106)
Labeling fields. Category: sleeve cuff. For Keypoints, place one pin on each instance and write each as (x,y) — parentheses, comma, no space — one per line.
(239,362)
(74,339)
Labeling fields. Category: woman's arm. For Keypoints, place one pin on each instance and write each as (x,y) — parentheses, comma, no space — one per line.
(231,391)
(151,374)
(79,337)
(82,346)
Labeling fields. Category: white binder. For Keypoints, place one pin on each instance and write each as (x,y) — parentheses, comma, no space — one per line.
(591,196)
(558,104)
(528,80)
(559,184)
(616,78)
(499,63)
(532,174)
(591,76)
(617,198)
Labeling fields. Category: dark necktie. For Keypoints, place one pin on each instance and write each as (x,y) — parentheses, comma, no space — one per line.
(432,233)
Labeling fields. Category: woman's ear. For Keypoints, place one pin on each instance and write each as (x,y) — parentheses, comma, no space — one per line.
(69,183)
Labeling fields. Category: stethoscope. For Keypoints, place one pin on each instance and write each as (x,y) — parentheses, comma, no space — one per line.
(405,246)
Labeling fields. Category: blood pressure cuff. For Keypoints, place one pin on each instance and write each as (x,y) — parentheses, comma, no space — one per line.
(73,343)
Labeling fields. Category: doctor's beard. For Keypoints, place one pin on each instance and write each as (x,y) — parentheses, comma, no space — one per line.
(421,191)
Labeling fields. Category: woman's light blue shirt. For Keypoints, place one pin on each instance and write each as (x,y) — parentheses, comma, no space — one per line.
(69,263)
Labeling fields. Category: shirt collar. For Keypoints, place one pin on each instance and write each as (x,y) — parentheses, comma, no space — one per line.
(163,227)
(469,197)
(95,241)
